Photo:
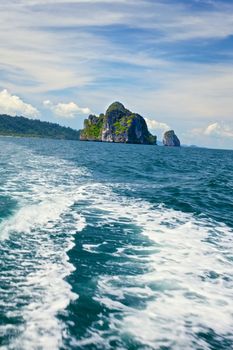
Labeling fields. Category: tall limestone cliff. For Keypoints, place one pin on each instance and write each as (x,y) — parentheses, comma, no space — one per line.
(118,124)
(170,139)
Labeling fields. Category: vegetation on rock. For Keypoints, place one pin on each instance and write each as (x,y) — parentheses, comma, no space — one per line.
(118,124)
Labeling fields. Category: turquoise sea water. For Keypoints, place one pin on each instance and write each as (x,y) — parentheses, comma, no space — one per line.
(112,246)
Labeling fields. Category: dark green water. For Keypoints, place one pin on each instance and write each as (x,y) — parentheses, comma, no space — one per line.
(111,246)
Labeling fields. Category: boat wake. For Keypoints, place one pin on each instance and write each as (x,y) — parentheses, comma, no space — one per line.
(165,277)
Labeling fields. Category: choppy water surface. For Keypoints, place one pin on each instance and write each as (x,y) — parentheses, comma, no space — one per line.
(106,246)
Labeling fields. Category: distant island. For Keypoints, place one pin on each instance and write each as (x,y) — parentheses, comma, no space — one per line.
(170,139)
(118,124)
(25,127)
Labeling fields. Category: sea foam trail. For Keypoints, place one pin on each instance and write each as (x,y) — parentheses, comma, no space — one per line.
(182,295)
(187,289)
(34,242)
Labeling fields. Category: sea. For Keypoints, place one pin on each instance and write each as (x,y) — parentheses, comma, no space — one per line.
(115,246)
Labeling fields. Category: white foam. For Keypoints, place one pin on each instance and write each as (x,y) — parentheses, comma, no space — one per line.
(182,299)
(91,247)
(42,229)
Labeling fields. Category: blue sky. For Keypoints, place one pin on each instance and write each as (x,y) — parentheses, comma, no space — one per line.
(169,60)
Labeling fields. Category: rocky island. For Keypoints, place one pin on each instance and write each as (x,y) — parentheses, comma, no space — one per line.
(170,139)
(118,124)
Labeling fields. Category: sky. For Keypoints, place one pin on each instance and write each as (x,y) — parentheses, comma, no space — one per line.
(169,60)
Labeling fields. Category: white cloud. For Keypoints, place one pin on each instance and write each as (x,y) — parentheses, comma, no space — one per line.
(193,92)
(66,110)
(174,20)
(13,105)
(61,59)
(153,125)
(219,129)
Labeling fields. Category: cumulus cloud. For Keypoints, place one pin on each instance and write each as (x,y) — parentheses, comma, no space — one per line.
(154,125)
(219,129)
(66,110)
(215,130)
(13,105)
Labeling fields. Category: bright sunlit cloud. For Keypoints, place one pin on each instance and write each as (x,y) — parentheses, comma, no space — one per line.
(13,105)
(66,110)
(154,125)
(221,130)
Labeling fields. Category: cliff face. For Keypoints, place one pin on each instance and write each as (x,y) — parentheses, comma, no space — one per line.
(170,139)
(118,124)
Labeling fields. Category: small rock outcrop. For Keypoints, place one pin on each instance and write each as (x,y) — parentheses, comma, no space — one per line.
(118,124)
(170,139)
